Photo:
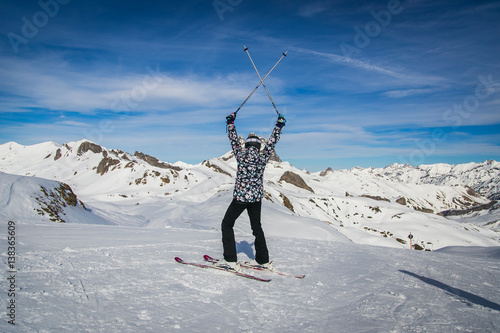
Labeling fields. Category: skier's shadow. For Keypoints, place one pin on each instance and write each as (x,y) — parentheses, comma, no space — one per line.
(246,248)
(461,294)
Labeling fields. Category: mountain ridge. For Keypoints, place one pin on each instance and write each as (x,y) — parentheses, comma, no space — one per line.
(373,206)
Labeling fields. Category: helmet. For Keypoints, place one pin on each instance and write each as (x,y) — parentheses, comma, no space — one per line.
(252,141)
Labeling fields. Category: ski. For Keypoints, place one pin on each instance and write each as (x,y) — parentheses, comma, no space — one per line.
(248,276)
(258,268)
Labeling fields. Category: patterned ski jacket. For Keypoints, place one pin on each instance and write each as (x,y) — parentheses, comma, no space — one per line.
(251,165)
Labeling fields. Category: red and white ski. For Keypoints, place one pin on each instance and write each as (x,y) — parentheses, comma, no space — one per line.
(248,276)
(258,268)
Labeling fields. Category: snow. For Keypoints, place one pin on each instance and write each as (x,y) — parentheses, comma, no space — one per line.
(111,267)
(473,251)
(20,198)
(97,278)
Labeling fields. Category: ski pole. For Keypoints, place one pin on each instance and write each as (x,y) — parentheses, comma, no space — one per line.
(261,80)
(283,55)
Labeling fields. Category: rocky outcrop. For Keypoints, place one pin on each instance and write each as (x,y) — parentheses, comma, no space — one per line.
(86,146)
(104,165)
(325,172)
(215,168)
(286,202)
(155,162)
(295,179)
(457,212)
(53,201)
(58,154)
(410,203)
(375,197)
(401,201)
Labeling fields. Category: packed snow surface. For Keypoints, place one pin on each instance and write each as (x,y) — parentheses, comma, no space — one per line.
(97,278)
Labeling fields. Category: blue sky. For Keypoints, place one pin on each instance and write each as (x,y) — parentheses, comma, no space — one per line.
(365,83)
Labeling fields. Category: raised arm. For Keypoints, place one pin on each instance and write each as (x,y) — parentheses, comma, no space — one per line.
(232,135)
(274,138)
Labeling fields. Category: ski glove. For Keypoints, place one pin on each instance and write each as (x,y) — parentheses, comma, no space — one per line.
(230,119)
(281,121)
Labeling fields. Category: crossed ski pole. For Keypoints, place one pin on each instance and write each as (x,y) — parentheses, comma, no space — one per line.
(261,80)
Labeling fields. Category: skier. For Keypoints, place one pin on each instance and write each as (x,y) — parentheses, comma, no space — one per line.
(248,193)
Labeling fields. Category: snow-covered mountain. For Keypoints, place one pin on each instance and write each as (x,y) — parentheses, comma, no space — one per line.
(370,206)
(482,177)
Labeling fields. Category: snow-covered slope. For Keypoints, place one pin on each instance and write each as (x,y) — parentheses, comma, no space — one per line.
(110,268)
(32,199)
(97,278)
(368,206)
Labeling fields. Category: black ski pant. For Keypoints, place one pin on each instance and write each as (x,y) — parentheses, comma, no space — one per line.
(228,241)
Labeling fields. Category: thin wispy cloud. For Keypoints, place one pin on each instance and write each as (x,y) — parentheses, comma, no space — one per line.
(64,88)
(369,67)
(311,9)
(163,75)
(407,92)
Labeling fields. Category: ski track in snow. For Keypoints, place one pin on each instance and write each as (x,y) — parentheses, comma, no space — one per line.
(95,278)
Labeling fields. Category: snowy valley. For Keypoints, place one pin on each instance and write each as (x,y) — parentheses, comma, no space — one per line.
(98,229)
